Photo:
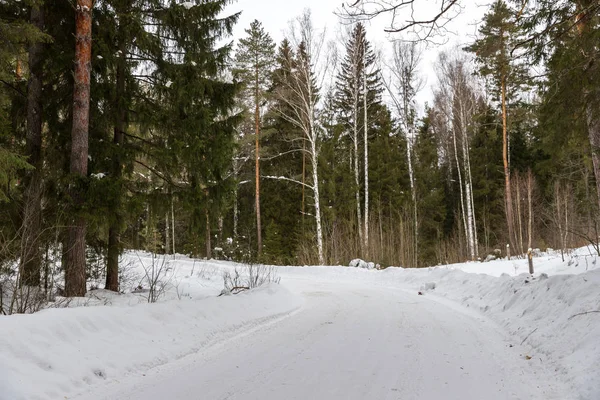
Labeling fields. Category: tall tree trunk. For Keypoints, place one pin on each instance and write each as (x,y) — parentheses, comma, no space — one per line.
(356,166)
(468,185)
(413,193)
(593,125)
(529,208)
(507,188)
(31,256)
(167,234)
(114,230)
(235,201)
(469,179)
(315,176)
(172,224)
(303,180)
(460,185)
(519,214)
(257,127)
(208,239)
(366,159)
(75,279)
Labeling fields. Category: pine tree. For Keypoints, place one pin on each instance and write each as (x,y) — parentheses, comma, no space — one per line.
(75,269)
(255,60)
(494,51)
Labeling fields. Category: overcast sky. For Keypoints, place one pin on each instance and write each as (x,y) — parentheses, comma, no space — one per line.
(276,14)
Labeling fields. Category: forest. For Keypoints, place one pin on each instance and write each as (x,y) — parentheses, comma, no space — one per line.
(143,125)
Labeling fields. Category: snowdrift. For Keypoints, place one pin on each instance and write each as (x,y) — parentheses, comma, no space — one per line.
(550,315)
(57,353)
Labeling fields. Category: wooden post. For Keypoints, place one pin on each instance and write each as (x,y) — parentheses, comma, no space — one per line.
(508,251)
(530,260)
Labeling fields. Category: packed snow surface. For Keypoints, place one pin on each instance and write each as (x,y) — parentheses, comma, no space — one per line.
(464,331)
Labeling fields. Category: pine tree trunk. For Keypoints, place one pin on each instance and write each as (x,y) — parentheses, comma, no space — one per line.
(530,208)
(75,278)
(507,188)
(208,239)
(257,127)
(172,224)
(366,161)
(114,230)
(167,234)
(31,256)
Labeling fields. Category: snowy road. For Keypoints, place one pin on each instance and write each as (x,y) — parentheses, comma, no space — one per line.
(352,341)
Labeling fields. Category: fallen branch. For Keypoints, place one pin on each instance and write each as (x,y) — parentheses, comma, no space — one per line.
(527,337)
(583,313)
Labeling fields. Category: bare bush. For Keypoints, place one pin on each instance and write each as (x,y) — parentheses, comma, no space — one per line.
(249,277)
(157,275)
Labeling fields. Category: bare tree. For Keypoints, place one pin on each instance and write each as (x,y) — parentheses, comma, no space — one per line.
(456,99)
(405,15)
(403,87)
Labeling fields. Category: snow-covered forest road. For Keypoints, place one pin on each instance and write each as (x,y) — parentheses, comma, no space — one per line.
(352,340)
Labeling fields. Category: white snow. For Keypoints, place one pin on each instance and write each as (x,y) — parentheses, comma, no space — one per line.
(57,353)
(99,175)
(358,263)
(478,331)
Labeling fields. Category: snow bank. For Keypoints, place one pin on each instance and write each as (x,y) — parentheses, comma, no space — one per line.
(549,314)
(56,353)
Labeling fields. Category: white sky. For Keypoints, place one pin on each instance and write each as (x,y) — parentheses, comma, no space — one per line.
(276,14)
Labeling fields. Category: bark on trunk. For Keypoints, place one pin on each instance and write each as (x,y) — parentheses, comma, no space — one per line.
(530,209)
(208,241)
(114,231)
(257,157)
(460,185)
(366,161)
(507,189)
(356,169)
(593,124)
(75,279)
(172,225)
(31,255)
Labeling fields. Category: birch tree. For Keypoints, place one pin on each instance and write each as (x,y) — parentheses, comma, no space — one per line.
(455,98)
(403,87)
(299,94)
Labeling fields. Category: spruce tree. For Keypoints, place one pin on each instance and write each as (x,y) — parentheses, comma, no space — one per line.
(358,91)
(430,192)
